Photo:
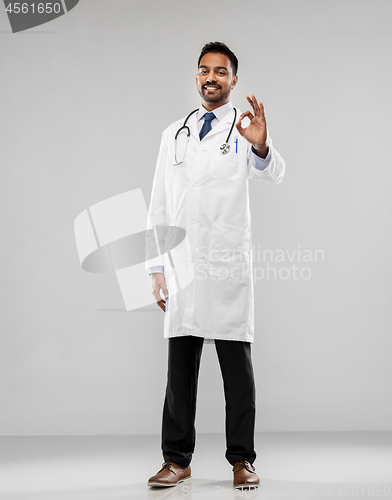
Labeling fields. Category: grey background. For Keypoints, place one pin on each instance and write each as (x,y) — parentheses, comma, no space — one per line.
(84,100)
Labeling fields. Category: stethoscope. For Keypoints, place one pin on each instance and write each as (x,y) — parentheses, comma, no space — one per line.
(225,148)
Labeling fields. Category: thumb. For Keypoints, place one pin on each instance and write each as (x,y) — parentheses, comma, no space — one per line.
(165,291)
(239,127)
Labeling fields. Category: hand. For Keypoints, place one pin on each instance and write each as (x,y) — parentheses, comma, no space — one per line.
(256,132)
(158,282)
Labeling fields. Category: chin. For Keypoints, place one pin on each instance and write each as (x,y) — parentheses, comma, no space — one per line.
(212,99)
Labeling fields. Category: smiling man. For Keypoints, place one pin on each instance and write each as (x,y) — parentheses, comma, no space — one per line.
(204,189)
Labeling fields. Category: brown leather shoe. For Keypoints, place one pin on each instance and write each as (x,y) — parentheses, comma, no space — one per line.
(170,475)
(245,475)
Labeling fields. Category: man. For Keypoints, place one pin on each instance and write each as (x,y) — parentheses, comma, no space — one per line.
(204,190)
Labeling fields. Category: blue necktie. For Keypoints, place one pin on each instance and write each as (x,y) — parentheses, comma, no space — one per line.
(208,117)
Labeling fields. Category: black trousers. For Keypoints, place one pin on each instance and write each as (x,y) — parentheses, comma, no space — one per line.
(178,422)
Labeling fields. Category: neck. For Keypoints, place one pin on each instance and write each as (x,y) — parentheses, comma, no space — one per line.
(210,106)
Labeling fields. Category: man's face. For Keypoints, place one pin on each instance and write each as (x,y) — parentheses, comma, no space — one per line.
(215,80)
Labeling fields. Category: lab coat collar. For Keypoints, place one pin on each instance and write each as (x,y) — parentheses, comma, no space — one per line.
(220,112)
(225,115)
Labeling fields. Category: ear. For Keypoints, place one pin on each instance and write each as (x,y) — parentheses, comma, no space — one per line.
(234,82)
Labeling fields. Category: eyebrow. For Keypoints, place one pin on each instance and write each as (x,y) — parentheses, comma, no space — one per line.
(216,67)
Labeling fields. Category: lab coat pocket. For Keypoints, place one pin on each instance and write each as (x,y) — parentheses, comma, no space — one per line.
(229,255)
(226,167)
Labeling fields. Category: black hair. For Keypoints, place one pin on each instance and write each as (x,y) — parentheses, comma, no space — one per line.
(219,48)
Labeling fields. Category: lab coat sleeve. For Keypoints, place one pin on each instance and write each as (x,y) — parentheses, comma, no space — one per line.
(261,163)
(155,269)
(275,169)
(157,208)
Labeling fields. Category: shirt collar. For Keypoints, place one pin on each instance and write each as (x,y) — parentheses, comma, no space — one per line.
(220,112)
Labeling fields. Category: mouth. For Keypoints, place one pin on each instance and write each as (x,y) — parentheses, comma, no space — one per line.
(210,88)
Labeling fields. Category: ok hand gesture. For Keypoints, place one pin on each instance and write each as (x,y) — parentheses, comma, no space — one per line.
(256,132)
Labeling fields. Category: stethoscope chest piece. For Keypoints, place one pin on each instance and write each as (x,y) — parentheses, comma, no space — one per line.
(225,148)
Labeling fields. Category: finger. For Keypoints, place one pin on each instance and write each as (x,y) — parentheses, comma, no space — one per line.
(256,106)
(239,128)
(248,114)
(251,102)
(165,291)
(238,125)
(260,108)
(155,292)
(262,114)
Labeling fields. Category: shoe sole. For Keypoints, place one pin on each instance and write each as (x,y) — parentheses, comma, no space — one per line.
(168,485)
(247,485)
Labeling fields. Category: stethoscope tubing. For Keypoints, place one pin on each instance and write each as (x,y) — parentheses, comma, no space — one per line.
(225,148)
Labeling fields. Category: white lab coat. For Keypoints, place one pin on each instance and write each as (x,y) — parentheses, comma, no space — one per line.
(208,196)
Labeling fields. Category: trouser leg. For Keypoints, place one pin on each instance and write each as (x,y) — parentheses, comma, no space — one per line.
(240,394)
(179,410)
